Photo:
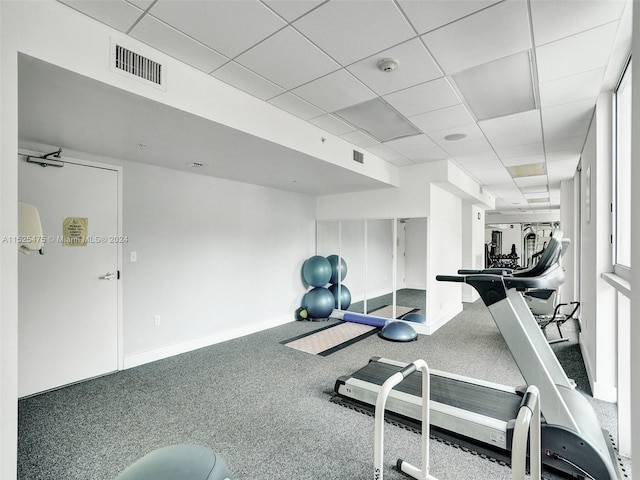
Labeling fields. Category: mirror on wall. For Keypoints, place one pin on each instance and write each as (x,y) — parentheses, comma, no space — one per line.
(516,245)
(410,295)
(379,249)
(352,235)
(385,260)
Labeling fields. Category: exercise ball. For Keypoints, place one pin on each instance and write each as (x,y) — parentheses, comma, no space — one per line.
(337,269)
(414,317)
(345,296)
(316,271)
(318,302)
(184,462)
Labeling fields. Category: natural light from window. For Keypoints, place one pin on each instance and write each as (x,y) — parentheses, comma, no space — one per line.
(622,210)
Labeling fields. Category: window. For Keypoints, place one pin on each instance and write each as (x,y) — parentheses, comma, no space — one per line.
(622,175)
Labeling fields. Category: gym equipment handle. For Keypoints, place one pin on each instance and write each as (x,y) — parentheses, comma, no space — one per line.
(449,278)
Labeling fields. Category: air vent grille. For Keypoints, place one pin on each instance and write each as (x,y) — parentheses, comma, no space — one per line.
(135,64)
(358,156)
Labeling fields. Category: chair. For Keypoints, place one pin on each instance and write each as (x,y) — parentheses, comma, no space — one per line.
(542,304)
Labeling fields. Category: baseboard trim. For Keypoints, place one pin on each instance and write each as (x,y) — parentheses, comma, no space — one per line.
(141,358)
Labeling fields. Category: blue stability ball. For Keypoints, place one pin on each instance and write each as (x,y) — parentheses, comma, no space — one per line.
(319,302)
(316,271)
(345,296)
(337,270)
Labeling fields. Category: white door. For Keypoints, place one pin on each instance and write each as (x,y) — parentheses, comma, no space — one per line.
(68,297)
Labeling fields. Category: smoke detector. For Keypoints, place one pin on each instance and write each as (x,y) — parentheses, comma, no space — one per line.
(387,65)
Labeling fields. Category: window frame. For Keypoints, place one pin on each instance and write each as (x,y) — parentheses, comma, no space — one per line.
(619,269)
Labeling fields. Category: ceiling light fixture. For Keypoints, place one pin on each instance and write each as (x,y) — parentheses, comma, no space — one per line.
(498,88)
(378,119)
(388,65)
(528,170)
(454,137)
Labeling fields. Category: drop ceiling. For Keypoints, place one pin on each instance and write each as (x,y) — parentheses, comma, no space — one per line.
(506,90)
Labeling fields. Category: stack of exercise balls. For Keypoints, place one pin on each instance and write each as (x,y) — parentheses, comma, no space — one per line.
(320,300)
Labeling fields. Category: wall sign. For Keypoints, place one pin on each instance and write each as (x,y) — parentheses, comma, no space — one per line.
(75,231)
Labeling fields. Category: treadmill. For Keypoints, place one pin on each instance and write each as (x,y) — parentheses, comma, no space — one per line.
(481,415)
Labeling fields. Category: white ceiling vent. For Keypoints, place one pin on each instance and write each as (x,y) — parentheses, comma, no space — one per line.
(130,63)
(358,156)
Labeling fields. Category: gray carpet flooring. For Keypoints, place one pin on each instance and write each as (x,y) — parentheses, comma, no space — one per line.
(264,408)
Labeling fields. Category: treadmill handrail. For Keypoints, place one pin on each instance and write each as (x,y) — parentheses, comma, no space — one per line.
(493,288)
(527,425)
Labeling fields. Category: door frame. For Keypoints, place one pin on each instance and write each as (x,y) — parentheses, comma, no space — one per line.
(23,152)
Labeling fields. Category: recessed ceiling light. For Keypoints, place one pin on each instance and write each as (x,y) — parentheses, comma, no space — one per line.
(527,170)
(453,137)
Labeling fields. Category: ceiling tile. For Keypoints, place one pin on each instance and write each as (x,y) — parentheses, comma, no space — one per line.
(216,23)
(520,150)
(415,66)
(332,124)
(399,161)
(535,189)
(287,59)
(378,119)
(489,175)
(433,154)
(554,20)
(384,152)
(118,14)
(531,181)
(335,91)
(568,120)
(498,88)
(513,130)
(523,160)
(411,144)
(579,53)
(488,157)
(442,119)
(562,165)
(247,81)
(427,16)
(290,10)
(423,98)
(564,144)
(296,106)
(360,139)
(143,4)
(495,32)
(351,30)
(473,142)
(172,42)
(572,88)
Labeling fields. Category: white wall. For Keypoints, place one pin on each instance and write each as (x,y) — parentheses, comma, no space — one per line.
(473,239)
(216,259)
(8,255)
(598,336)
(445,257)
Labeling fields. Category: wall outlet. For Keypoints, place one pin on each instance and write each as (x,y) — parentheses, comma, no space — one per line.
(156,320)
(133,256)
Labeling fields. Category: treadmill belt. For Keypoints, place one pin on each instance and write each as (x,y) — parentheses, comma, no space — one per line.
(480,399)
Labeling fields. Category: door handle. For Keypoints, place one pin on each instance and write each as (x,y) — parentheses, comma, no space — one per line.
(108,276)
